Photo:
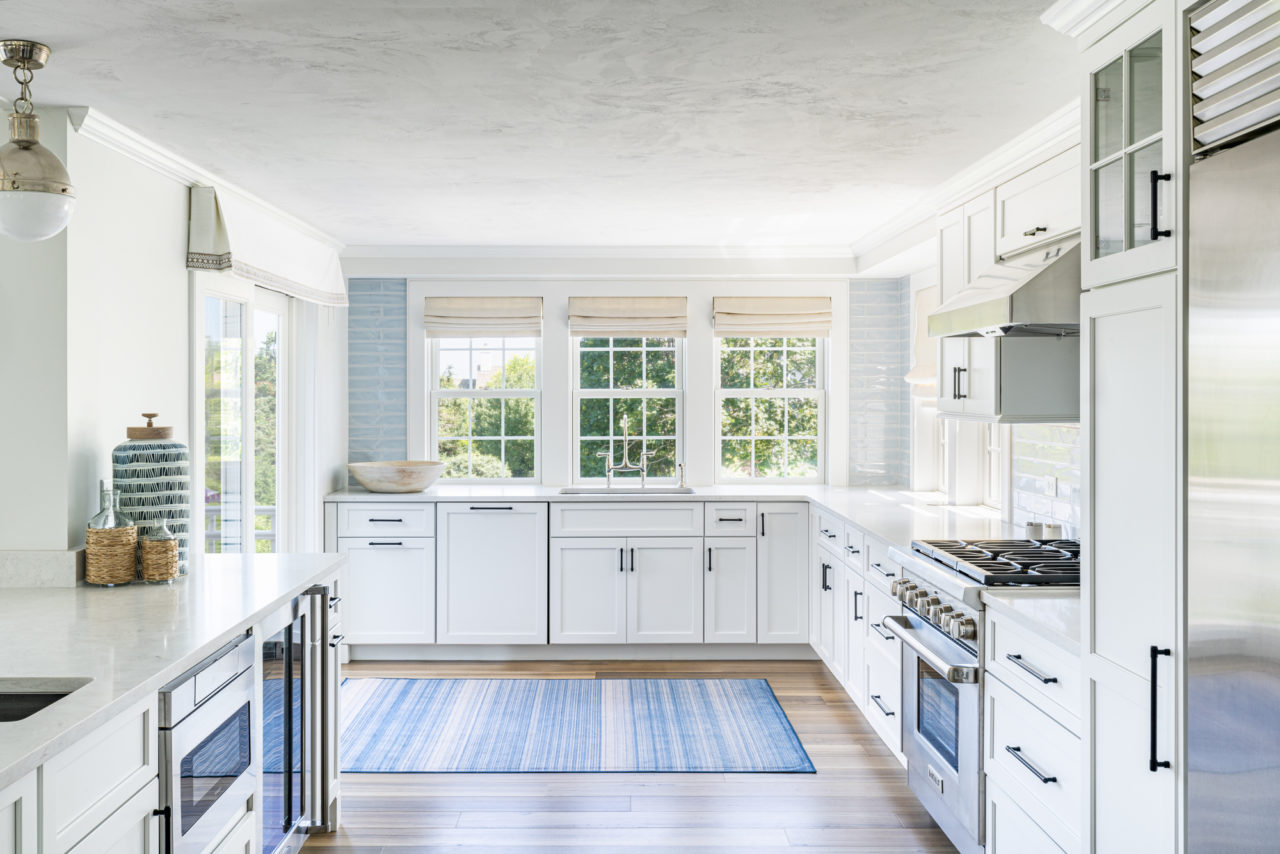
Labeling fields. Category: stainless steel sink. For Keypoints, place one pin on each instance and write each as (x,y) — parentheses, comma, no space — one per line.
(626,490)
(21,698)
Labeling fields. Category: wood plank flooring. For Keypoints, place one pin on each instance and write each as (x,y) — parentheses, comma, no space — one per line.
(857,802)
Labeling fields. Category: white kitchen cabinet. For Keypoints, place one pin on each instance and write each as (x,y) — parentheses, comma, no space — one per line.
(588,590)
(134,828)
(730,519)
(1041,204)
(1033,379)
(782,572)
(664,590)
(1131,119)
(19,815)
(855,674)
(823,617)
(729,591)
(1010,830)
(242,838)
(627,519)
(884,693)
(390,589)
(1130,578)
(979,217)
(491,573)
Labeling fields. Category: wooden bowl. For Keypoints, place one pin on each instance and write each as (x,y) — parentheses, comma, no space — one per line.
(396,475)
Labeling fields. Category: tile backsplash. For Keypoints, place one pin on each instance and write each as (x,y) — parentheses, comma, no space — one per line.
(377,370)
(879,402)
(1046,475)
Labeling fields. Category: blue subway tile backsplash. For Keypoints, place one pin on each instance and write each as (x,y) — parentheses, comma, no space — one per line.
(879,405)
(376,368)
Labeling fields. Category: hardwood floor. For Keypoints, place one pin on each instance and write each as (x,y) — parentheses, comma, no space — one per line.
(857,802)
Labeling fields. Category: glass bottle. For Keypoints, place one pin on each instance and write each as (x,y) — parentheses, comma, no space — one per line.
(110,515)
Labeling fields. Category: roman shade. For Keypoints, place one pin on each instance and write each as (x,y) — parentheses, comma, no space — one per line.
(490,317)
(1235,70)
(806,317)
(924,350)
(628,317)
(227,232)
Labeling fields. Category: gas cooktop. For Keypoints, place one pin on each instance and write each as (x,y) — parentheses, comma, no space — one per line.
(1007,562)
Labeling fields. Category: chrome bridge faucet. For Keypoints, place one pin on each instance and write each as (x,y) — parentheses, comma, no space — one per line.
(627,465)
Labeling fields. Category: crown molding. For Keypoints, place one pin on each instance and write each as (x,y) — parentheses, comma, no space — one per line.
(602,252)
(1073,18)
(97,127)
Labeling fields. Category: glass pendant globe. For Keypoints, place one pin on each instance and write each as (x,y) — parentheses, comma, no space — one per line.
(30,216)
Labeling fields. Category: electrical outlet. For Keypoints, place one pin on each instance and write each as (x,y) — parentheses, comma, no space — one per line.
(1051,486)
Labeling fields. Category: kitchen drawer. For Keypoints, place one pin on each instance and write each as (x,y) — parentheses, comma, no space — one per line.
(881,571)
(1043,672)
(1051,751)
(884,694)
(1010,830)
(879,606)
(854,548)
(730,520)
(84,784)
(626,519)
(376,519)
(829,529)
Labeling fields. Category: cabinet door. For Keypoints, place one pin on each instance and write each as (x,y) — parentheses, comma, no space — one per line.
(241,840)
(951,278)
(839,620)
(824,573)
(664,590)
(782,572)
(18,816)
(729,590)
(953,363)
(980,381)
(1130,580)
(491,580)
(588,590)
(855,675)
(390,590)
(132,829)
(1130,125)
(1041,204)
(979,236)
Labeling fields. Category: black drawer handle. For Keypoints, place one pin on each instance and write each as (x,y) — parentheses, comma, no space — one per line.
(621,560)
(1016,753)
(881,632)
(880,569)
(333,601)
(633,560)
(1032,232)
(1156,652)
(387,520)
(708,558)
(856,615)
(853,550)
(824,532)
(396,543)
(826,567)
(337,639)
(1156,177)
(888,713)
(491,508)
(1017,659)
(724,519)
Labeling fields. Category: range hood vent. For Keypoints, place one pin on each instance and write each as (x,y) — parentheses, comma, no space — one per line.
(1035,293)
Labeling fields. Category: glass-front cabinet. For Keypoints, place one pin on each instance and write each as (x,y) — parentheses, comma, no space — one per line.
(1130,121)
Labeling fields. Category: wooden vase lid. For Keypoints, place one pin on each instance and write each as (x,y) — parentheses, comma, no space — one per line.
(150,431)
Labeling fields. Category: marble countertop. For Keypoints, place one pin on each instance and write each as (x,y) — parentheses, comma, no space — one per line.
(891,514)
(1052,613)
(129,641)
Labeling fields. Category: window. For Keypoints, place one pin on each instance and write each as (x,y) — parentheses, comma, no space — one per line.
(636,379)
(769,405)
(995,444)
(485,407)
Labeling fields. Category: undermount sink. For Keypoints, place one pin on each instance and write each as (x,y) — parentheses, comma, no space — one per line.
(21,698)
(626,490)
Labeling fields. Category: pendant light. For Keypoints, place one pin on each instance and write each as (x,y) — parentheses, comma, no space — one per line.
(36,196)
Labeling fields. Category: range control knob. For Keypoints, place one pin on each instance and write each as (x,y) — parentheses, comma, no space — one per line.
(964,628)
(945,622)
(913,594)
(923,605)
(905,591)
(895,585)
(937,612)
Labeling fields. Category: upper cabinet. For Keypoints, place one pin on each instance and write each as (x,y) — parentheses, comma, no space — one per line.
(1130,126)
(1039,206)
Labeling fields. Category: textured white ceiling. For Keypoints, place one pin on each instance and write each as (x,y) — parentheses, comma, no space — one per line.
(610,122)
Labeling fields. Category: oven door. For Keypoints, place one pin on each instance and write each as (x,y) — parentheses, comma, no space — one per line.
(941,730)
(209,767)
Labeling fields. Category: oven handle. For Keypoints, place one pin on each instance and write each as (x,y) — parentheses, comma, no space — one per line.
(961,673)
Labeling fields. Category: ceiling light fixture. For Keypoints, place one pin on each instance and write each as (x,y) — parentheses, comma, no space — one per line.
(36,196)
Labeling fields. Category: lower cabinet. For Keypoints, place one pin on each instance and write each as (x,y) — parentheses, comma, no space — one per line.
(588,599)
(390,589)
(827,591)
(884,694)
(664,590)
(242,839)
(18,817)
(782,572)
(1010,830)
(855,676)
(134,828)
(491,573)
(729,590)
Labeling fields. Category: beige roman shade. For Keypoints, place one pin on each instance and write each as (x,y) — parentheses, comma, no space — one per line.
(628,317)
(492,317)
(807,317)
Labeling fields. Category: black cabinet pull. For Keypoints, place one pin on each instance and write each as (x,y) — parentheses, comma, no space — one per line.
(880,569)
(875,698)
(397,543)
(852,550)
(1156,652)
(621,559)
(723,519)
(708,559)
(1156,232)
(825,568)
(881,631)
(1032,232)
(387,520)
(1017,659)
(856,616)
(959,395)
(333,601)
(491,508)
(762,524)
(824,532)
(955,383)
(337,639)
(633,560)
(1016,753)
(165,813)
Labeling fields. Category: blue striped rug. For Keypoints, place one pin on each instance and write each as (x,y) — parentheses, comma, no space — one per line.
(522,725)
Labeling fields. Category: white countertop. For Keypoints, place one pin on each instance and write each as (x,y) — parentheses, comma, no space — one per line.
(130,640)
(892,514)
(1052,613)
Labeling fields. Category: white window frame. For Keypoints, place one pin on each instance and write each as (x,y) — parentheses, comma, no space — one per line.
(578,394)
(997,466)
(435,394)
(819,393)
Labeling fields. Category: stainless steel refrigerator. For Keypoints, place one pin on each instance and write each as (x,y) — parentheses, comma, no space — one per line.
(1233,467)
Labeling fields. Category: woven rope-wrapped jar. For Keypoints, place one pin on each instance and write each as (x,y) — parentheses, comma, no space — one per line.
(111,555)
(153,474)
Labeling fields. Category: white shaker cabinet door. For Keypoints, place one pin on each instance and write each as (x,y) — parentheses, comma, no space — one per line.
(730,590)
(134,828)
(782,572)
(19,817)
(491,578)
(855,676)
(588,590)
(390,589)
(664,590)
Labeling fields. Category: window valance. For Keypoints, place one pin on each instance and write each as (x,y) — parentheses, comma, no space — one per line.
(807,317)
(492,317)
(628,317)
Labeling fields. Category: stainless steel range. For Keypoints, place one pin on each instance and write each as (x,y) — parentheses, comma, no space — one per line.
(942,654)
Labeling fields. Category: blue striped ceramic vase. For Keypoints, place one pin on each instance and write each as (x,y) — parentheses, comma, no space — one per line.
(153,474)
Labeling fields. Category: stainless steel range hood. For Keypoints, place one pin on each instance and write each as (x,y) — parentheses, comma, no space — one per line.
(1033,293)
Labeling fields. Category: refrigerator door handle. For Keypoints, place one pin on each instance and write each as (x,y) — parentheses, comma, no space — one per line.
(1156,652)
